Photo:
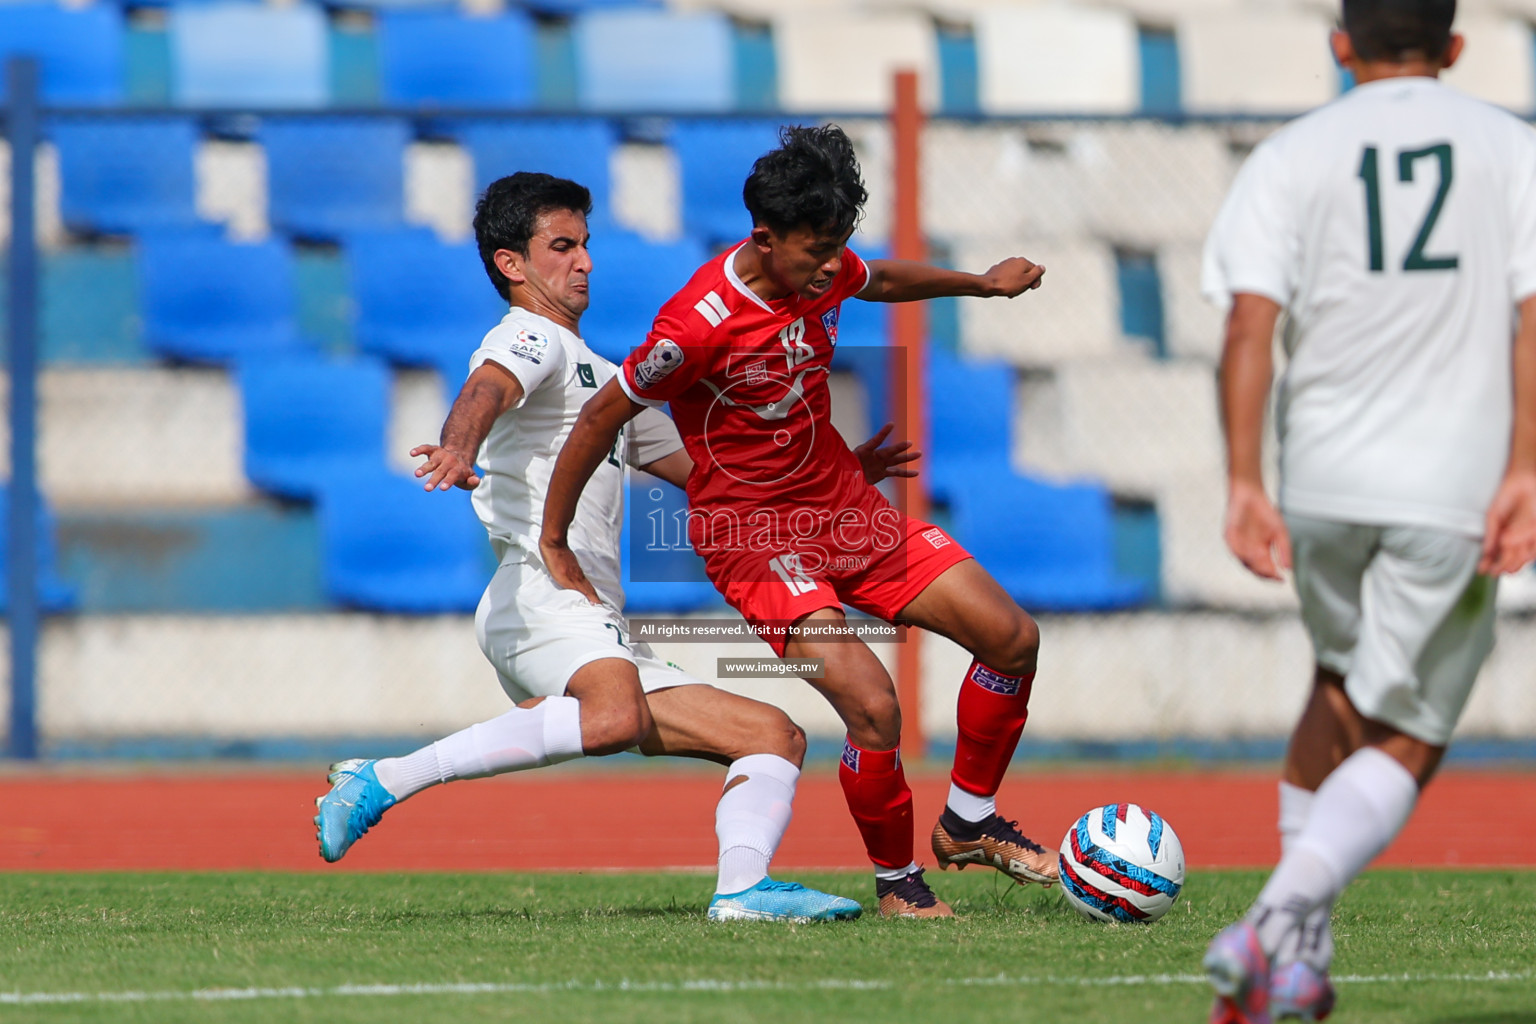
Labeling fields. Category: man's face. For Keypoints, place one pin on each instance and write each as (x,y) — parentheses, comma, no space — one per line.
(802,260)
(558,262)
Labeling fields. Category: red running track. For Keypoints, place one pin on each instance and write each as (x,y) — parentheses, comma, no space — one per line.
(586,818)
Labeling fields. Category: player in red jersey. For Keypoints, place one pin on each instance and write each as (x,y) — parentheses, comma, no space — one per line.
(789,530)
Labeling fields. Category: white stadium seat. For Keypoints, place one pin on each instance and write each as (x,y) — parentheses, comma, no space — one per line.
(843,61)
(1166,12)
(1145,183)
(1497,63)
(1256,62)
(1072,316)
(1068,60)
(137,436)
(1137,424)
(1194,327)
(1197,567)
(985,181)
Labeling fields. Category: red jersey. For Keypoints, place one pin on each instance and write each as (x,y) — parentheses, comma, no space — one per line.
(747,382)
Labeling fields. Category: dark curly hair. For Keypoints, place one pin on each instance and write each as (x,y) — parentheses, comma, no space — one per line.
(1397,30)
(507,215)
(812,179)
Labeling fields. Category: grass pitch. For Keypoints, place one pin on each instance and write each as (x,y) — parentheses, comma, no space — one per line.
(1437,947)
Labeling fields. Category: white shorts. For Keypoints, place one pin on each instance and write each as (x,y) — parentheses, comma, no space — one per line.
(1400,613)
(538,635)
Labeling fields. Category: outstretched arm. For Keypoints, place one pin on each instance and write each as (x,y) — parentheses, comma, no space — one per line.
(490,391)
(591,440)
(1509,538)
(1254,531)
(908,281)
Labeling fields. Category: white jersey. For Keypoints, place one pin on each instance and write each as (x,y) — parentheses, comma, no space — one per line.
(1397,226)
(558,374)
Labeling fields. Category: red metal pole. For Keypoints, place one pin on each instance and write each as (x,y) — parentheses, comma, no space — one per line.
(908,331)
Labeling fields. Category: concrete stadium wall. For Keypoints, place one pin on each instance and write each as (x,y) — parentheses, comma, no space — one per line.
(1206,676)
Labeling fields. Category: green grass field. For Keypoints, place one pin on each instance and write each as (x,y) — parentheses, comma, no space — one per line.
(1413,947)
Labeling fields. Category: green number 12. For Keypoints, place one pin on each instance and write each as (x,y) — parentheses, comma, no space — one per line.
(1370,174)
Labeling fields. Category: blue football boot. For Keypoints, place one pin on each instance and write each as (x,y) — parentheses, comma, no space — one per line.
(355,804)
(782,901)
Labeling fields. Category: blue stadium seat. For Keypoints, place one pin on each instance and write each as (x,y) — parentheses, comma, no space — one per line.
(211,301)
(309,419)
(328,176)
(421,302)
(631,279)
(444,59)
(249,55)
(662,573)
(970,421)
(53,594)
(633,59)
(1051,547)
(391,547)
(126,174)
(567,148)
(714,158)
(564,8)
(80,50)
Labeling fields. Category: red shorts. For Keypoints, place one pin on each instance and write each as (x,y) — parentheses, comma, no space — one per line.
(773,590)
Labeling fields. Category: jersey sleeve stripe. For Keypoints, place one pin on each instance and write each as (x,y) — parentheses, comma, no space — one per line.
(623,379)
(712,308)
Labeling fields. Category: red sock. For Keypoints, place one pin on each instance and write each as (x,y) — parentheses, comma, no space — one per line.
(991,716)
(881,802)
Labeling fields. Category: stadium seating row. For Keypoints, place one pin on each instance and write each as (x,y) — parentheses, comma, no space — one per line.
(1135,184)
(1014,59)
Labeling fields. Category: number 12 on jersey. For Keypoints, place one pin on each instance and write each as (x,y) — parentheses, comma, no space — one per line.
(1370,173)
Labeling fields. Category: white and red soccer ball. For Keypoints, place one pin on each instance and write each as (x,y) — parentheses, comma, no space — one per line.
(1122,862)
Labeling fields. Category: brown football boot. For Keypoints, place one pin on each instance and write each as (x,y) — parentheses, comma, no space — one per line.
(996,843)
(910,897)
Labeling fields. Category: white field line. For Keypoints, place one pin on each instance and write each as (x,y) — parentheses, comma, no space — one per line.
(214,995)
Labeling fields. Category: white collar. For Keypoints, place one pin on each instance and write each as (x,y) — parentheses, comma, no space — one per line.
(731,276)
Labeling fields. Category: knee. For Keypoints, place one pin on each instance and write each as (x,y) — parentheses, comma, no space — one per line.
(610,728)
(1018,651)
(874,720)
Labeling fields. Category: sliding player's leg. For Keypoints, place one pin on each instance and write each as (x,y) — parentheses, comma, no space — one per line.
(965,604)
(544,643)
(874,784)
(762,751)
(602,711)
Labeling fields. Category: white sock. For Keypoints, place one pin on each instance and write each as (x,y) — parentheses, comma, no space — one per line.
(894,874)
(547,733)
(1357,811)
(751,817)
(1313,941)
(970,806)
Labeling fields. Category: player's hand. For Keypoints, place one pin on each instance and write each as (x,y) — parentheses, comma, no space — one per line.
(1014,276)
(1256,533)
(879,463)
(445,468)
(565,570)
(1509,535)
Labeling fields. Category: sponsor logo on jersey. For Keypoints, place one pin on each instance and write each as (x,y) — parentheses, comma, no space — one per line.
(757,372)
(585,376)
(664,357)
(829,322)
(996,682)
(936,537)
(531,345)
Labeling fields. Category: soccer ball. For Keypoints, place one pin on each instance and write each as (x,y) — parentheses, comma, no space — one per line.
(1122,862)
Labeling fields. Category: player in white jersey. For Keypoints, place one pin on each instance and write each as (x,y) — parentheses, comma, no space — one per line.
(1397,228)
(584,686)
